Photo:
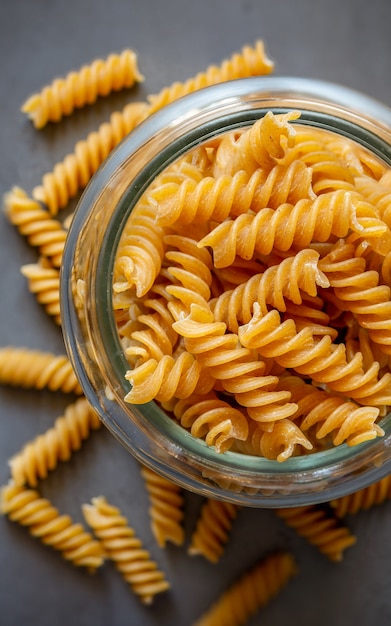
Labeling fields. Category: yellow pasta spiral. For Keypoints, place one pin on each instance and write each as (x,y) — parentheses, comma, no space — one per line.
(363,499)
(22,367)
(211,418)
(235,367)
(322,360)
(279,442)
(260,145)
(322,530)
(140,252)
(288,279)
(34,223)
(212,529)
(125,549)
(166,508)
(359,292)
(250,61)
(76,169)
(328,413)
(254,589)
(42,455)
(178,375)
(63,95)
(44,521)
(44,283)
(283,228)
(154,338)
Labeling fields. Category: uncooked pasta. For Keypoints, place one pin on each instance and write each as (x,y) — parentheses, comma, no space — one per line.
(243,282)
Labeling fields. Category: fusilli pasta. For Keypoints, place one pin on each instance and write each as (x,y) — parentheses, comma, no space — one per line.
(44,282)
(124,549)
(212,529)
(44,521)
(63,95)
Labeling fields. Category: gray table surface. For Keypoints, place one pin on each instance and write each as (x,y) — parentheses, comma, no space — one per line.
(347,42)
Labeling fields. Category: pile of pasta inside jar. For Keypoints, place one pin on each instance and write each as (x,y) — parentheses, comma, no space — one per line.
(251,290)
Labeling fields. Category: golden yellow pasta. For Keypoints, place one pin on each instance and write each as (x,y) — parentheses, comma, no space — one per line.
(44,521)
(253,590)
(34,223)
(320,528)
(36,369)
(166,508)
(250,61)
(42,455)
(76,169)
(363,499)
(44,282)
(213,529)
(125,550)
(82,87)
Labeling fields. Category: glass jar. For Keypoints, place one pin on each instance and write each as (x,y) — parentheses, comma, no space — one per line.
(90,333)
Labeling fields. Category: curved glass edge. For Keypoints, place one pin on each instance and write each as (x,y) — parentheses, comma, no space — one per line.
(197,451)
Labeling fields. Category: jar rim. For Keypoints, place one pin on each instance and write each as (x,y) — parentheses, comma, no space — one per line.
(238,99)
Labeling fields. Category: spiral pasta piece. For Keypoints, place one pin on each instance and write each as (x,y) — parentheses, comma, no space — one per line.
(34,223)
(140,252)
(125,549)
(250,61)
(279,443)
(260,145)
(288,279)
(44,282)
(322,530)
(76,169)
(42,455)
(211,418)
(155,337)
(44,521)
(345,420)
(283,228)
(363,499)
(177,375)
(213,529)
(233,366)
(322,360)
(359,292)
(252,591)
(82,87)
(35,369)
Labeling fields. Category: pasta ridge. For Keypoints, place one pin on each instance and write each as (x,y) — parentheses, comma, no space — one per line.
(42,454)
(321,529)
(363,499)
(212,529)
(78,88)
(34,223)
(74,172)
(250,61)
(213,419)
(166,508)
(23,367)
(44,521)
(125,549)
(44,282)
(324,361)
(253,590)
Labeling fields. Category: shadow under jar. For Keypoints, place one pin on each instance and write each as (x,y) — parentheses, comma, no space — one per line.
(91,336)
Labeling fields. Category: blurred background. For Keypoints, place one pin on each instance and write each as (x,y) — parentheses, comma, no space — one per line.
(347,42)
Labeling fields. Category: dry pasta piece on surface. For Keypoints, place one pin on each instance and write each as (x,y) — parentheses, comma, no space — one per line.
(252,591)
(250,61)
(363,499)
(44,521)
(36,369)
(42,454)
(212,529)
(74,172)
(125,550)
(320,528)
(166,508)
(82,87)
(44,282)
(34,223)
